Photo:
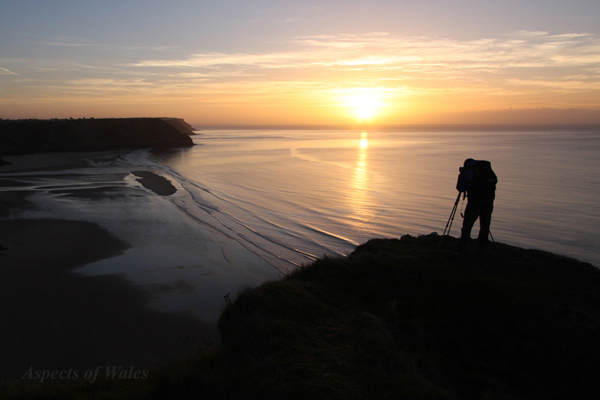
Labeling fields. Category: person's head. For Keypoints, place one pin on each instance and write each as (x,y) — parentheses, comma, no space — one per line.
(467,162)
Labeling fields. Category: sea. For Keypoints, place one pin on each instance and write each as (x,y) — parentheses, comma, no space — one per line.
(255,205)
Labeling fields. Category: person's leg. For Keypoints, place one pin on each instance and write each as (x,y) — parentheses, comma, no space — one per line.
(471,214)
(485,219)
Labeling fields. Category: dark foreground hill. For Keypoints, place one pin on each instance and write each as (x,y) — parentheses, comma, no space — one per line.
(54,135)
(397,319)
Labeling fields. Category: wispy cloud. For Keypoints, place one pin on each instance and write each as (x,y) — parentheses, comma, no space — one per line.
(7,72)
(72,42)
(210,60)
(410,53)
(64,42)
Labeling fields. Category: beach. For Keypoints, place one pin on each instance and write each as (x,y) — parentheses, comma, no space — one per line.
(56,319)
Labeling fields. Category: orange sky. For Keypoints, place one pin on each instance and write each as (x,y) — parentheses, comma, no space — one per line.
(299,64)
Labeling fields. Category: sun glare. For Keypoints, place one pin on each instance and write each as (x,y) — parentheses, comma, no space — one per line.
(365,106)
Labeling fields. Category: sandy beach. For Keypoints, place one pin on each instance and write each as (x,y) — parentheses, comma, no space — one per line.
(54,318)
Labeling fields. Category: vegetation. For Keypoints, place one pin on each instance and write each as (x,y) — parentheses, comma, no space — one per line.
(397,319)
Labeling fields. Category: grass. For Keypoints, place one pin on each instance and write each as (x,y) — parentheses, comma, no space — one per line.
(395,319)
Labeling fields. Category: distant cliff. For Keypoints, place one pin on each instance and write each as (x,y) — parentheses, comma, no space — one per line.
(35,136)
(180,124)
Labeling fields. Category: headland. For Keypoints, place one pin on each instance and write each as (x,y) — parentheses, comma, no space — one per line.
(67,135)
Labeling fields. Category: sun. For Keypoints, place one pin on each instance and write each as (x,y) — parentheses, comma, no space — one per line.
(365,106)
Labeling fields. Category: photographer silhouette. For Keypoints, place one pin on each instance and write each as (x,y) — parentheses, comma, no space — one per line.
(478,181)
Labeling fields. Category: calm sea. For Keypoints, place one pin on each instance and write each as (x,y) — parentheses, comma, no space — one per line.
(254,205)
(302,194)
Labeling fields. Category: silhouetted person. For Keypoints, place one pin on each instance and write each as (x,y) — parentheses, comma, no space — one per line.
(478,180)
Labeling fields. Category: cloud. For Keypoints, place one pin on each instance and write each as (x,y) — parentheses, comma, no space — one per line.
(5,71)
(561,85)
(72,42)
(380,50)
(210,60)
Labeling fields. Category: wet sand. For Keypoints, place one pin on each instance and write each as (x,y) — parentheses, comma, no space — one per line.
(53,318)
(48,161)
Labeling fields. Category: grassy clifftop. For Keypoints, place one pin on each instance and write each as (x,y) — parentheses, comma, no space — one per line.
(402,319)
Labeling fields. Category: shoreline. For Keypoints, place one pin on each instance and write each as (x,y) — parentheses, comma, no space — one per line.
(185,265)
(56,319)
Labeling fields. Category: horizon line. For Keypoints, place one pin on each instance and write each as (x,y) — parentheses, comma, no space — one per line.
(452,126)
(402,127)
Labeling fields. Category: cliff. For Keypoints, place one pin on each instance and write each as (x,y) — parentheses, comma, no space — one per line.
(402,319)
(396,319)
(35,136)
(180,124)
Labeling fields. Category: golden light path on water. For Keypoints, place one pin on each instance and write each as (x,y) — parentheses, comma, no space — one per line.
(362,210)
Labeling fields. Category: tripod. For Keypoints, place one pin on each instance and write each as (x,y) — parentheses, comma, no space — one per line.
(451,219)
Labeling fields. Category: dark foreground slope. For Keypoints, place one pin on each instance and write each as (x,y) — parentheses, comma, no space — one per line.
(35,136)
(400,319)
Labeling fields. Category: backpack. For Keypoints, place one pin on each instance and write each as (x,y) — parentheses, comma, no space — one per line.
(483,174)
(484,181)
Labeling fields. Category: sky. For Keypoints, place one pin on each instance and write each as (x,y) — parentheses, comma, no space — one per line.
(297,63)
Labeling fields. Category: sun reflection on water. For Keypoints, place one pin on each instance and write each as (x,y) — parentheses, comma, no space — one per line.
(360,200)
(364,143)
